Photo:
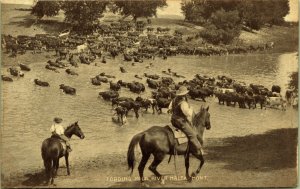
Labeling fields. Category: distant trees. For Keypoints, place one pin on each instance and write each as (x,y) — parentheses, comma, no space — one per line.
(253,14)
(293,83)
(45,8)
(223,27)
(139,8)
(82,14)
(256,14)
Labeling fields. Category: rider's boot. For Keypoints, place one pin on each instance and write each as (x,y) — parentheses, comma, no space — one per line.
(69,149)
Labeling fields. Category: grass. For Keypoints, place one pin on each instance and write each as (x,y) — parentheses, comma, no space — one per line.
(273,150)
(16,22)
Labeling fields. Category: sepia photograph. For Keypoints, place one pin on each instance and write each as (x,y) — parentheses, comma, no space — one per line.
(149,93)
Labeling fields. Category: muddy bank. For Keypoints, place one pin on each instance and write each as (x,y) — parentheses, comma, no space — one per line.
(264,160)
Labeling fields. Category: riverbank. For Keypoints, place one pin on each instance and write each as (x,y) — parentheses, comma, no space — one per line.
(16,22)
(259,160)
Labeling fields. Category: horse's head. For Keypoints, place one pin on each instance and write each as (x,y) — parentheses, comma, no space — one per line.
(202,118)
(74,129)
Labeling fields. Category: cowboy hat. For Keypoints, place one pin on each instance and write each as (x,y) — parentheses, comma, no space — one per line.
(182,91)
(57,120)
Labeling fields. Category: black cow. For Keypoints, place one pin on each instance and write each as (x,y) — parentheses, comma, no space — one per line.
(95,81)
(41,83)
(6,78)
(67,89)
(71,72)
(108,95)
(114,86)
(276,88)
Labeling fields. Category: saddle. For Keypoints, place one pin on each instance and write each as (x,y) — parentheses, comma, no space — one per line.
(179,135)
(62,142)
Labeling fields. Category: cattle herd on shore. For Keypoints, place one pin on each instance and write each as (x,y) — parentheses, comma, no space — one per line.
(134,41)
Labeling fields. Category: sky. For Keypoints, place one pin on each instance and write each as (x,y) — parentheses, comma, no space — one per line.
(173,8)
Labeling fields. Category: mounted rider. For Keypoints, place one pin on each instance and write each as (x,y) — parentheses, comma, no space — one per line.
(58,130)
(182,116)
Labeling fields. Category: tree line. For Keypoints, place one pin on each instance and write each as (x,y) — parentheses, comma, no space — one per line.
(82,14)
(223,20)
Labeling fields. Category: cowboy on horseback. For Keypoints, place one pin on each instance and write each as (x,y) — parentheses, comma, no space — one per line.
(58,130)
(182,115)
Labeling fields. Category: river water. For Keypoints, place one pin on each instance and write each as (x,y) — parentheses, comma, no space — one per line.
(29,109)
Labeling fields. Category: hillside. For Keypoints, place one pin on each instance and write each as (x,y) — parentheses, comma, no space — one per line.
(16,22)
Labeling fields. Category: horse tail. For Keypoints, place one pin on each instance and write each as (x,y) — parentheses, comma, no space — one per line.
(47,160)
(130,152)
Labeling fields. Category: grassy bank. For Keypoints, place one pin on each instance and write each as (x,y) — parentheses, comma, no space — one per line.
(16,22)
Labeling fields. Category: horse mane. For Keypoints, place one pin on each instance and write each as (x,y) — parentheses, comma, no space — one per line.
(197,117)
(70,126)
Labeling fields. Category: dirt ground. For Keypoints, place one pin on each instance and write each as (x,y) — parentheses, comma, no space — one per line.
(265,160)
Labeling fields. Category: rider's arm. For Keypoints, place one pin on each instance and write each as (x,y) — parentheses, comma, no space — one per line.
(170,107)
(52,129)
(187,111)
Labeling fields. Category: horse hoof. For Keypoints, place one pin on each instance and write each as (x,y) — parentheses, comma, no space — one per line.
(189,179)
(193,174)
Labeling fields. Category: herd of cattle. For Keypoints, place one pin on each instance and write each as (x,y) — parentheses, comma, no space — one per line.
(109,41)
(124,38)
(163,88)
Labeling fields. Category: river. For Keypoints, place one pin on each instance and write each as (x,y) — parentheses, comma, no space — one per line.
(29,109)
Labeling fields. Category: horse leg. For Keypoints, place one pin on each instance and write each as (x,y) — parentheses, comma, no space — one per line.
(136,113)
(199,156)
(158,157)
(142,165)
(52,171)
(48,165)
(122,121)
(56,167)
(187,165)
(67,163)
(153,106)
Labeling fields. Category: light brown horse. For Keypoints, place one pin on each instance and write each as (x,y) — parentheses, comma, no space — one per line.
(160,141)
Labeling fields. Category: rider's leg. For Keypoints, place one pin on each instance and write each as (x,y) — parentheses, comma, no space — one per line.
(63,137)
(192,136)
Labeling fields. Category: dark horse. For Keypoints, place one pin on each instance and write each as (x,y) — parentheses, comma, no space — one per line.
(52,151)
(160,141)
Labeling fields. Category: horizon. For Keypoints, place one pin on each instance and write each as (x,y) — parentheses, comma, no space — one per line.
(174,8)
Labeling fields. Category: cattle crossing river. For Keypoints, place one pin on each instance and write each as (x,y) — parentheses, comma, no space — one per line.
(29,109)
